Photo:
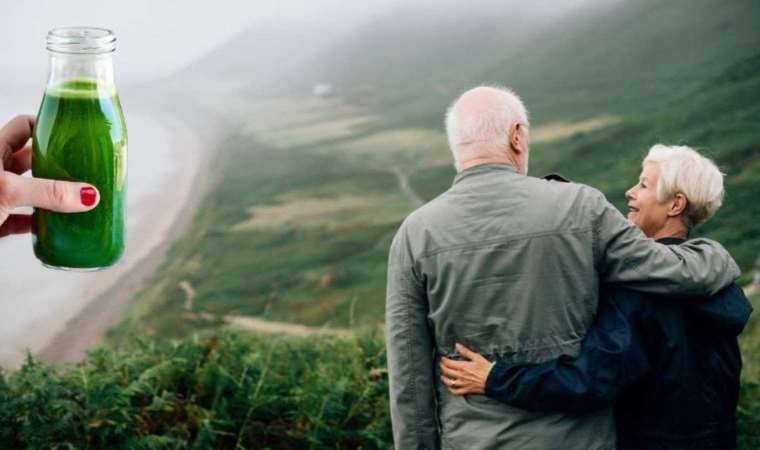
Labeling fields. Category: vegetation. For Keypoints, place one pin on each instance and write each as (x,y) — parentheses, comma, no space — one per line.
(614,58)
(228,391)
(309,192)
(234,390)
(749,398)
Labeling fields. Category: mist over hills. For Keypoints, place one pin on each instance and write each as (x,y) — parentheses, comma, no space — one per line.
(291,57)
(569,60)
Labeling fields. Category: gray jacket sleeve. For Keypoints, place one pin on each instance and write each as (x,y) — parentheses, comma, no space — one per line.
(623,254)
(409,346)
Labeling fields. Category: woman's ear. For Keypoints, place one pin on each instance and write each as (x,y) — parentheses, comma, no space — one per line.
(678,205)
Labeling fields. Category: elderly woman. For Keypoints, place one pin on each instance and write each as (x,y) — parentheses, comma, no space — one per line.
(670,368)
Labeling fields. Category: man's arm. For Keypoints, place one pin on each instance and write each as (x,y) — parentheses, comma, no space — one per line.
(624,255)
(409,347)
(611,359)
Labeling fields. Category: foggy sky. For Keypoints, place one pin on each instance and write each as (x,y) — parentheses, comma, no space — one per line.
(158,38)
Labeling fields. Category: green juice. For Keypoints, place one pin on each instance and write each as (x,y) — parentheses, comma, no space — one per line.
(81,135)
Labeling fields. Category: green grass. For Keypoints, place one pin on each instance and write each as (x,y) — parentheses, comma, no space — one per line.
(309,272)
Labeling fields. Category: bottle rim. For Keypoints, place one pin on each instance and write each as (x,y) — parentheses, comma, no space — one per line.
(81,40)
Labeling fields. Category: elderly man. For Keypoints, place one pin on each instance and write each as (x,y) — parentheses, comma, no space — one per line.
(509,265)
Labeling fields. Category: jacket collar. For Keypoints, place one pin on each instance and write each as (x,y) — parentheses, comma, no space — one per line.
(484,168)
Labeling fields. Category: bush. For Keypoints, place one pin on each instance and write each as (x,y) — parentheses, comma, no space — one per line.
(233,390)
(226,391)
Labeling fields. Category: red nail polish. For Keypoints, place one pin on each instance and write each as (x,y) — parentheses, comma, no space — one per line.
(88,196)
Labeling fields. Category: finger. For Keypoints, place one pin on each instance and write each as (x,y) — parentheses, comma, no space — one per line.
(15,134)
(446,364)
(451,373)
(457,390)
(467,353)
(16,224)
(452,382)
(453,364)
(454,391)
(53,195)
(21,161)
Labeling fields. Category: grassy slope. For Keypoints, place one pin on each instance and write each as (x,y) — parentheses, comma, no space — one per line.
(618,57)
(297,263)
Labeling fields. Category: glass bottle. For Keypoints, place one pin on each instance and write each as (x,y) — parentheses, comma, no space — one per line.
(81,135)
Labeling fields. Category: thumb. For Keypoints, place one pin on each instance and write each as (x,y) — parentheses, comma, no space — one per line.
(53,195)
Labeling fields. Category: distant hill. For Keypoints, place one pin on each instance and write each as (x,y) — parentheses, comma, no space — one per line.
(600,57)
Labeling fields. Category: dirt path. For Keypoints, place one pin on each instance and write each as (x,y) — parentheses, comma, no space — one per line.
(272,327)
(403,184)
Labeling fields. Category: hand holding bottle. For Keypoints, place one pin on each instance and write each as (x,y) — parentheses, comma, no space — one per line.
(15,190)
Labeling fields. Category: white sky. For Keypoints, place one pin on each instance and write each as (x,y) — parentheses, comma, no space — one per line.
(154,37)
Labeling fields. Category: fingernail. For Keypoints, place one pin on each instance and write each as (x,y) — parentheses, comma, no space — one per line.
(88,196)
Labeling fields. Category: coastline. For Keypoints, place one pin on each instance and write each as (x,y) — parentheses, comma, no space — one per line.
(164,217)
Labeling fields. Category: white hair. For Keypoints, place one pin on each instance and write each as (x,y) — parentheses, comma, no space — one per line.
(490,128)
(683,170)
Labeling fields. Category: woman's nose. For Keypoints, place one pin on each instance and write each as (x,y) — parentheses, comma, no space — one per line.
(629,193)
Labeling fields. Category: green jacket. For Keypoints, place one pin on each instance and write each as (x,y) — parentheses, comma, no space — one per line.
(509,265)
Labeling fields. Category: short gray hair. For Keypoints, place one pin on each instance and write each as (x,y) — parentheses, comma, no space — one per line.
(683,170)
(492,127)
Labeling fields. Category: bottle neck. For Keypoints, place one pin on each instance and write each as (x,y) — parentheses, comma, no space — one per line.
(95,68)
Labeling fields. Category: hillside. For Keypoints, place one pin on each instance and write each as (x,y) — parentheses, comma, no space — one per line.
(312,191)
(614,57)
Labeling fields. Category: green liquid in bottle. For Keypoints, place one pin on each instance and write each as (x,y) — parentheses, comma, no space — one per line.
(81,135)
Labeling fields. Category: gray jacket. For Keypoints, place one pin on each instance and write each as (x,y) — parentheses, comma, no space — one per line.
(509,265)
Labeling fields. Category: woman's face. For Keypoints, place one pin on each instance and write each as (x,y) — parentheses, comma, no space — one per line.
(643,208)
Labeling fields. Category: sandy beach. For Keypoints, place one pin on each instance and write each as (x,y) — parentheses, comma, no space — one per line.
(177,136)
